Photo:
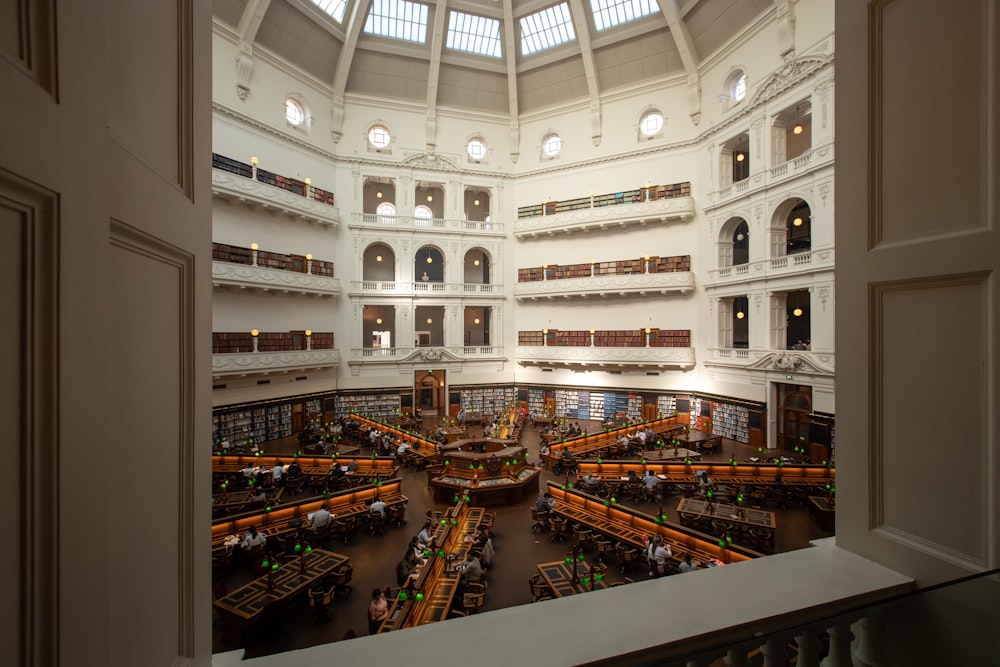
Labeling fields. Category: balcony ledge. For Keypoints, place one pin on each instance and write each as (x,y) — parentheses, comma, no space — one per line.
(802,362)
(406,288)
(254,193)
(723,606)
(600,218)
(638,284)
(273,362)
(607,358)
(244,276)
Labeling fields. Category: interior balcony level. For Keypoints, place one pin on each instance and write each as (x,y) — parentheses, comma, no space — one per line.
(247,363)
(785,265)
(414,223)
(780,361)
(607,285)
(420,288)
(606,358)
(591,218)
(252,192)
(258,278)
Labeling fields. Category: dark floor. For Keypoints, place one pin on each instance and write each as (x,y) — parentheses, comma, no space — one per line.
(518,551)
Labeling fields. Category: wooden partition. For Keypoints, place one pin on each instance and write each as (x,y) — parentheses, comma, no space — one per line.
(380,467)
(351,502)
(590,445)
(419,446)
(759,474)
(624,524)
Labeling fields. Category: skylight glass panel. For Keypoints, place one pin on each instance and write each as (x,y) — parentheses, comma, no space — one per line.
(334,8)
(474,34)
(545,29)
(609,13)
(398,19)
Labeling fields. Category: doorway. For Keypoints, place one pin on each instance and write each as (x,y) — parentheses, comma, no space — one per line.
(793,418)
(429,391)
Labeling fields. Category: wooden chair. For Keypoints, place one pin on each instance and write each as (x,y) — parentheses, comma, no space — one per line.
(376,524)
(539,589)
(604,546)
(541,520)
(627,554)
(582,534)
(396,514)
(319,597)
(559,528)
(341,581)
(347,527)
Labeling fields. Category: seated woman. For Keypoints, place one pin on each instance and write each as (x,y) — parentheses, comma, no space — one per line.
(408,568)
(657,553)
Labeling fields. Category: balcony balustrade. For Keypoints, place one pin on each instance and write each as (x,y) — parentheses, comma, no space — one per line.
(803,262)
(421,288)
(246,363)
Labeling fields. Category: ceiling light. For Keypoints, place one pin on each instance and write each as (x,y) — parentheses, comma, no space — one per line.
(430,197)
(430,320)
(797,222)
(740,315)
(378,320)
(476,320)
(740,157)
(430,260)
(379,194)
(378,258)
(475,202)
(797,129)
(740,236)
(475,263)
(797,312)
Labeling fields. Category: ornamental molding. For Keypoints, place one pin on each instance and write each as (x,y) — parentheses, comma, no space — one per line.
(800,362)
(607,357)
(431,162)
(257,277)
(603,217)
(250,191)
(266,362)
(641,284)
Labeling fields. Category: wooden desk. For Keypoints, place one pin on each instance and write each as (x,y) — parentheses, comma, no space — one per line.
(244,606)
(559,576)
(755,474)
(824,511)
(596,445)
(727,513)
(453,433)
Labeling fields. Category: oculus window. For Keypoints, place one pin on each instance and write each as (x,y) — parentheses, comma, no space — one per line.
(379,137)
(651,123)
(476,149)
(551,145)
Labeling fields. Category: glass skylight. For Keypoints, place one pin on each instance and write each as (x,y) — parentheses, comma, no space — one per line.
(474,34)
(545,29)
(334,8)
(398,19)
(609,13)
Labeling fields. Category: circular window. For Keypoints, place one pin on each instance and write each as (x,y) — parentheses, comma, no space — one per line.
(552,145)
(294,112)
(651,123)
(379,136)
(740,87)
(476,148)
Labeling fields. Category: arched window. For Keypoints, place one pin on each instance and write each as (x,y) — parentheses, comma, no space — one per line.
(386,210)
(422,215)
(651,124)
(741,243)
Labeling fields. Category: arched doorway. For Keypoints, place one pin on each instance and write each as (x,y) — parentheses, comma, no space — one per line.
(429,392)
(794,408)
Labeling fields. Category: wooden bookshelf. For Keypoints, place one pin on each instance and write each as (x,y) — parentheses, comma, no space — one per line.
(232,166)
(222,252)
(296,186)
(532,338)
(620,267)
(608,199)
(231,342)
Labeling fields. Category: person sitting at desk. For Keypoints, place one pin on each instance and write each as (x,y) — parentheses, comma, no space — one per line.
(336,470)
(657,554)
(565,464)
(378,506)
(320,519)
(377,610)
(253,539)
(294,470)
(408,568)
(687,565)
(472,569)
(259,495)
(590,481)
(426,535)
(277,473)
(545,503)
(352,466)
(652,483)
(544,451)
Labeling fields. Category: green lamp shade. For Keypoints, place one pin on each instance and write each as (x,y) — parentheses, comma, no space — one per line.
(298,548)
(569,560)
(402,596)
(420,597)
(580,558)
(441,553)
(274,566)
(455,499)
(308,549)
(265,563)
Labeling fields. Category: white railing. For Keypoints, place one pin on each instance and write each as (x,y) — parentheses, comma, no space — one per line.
(426,353)
(636,283)
(741,186)
(812,260)
(248,275)
(780,170)
(242,363)
(429,224)
(676,209)
(406,287)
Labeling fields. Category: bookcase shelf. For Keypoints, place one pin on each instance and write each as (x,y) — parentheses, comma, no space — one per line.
(376,406)
(650,193)
(487,400)
(621,267)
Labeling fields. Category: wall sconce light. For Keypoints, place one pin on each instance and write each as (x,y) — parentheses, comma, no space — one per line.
(254,246)
(592,331)
(309,332)
(475,202)
(430,320)
(308,181)
(475,263)
(648,330)
(740,157)
(254,333)
(797,129)
(309,257)
(378,320)
(430,197)
(476,320)
(253,160)
(646,257)
(378,194)
(430,260)
(545,332)
(797,222)
(797,312)
(378,258)
(740,315)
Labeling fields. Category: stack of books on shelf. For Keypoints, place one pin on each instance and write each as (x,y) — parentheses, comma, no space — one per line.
(620,338)
(536,401)
(572,338)
(231,342)
(731,421)
(531,275)
(322,340)
(671,338)
(376,406)
(532,338)
(322,196)
(231,253)
(666,406)
(321,268)
(232,166)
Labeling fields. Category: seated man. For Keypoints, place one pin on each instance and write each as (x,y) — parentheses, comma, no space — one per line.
(590,481)
(294,470)
(687,565)
(545,503)
(652,483)
(378,506)
(320,519)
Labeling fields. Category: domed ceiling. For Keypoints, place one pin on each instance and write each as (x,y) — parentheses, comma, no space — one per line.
(502,59)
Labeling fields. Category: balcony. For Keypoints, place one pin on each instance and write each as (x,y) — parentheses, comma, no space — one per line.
(252,192)
(807,162)
(258,278)
(246,363)
(403,356)
(419,288)
(676,209)
(414,224)
(777,267)
(802,362)
(606,358)
(607,285)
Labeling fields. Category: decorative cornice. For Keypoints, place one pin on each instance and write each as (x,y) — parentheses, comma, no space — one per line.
(244,276)
(795,360)
(607,357)
(643,283)
(602,217)
(269,362)
(231,186)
